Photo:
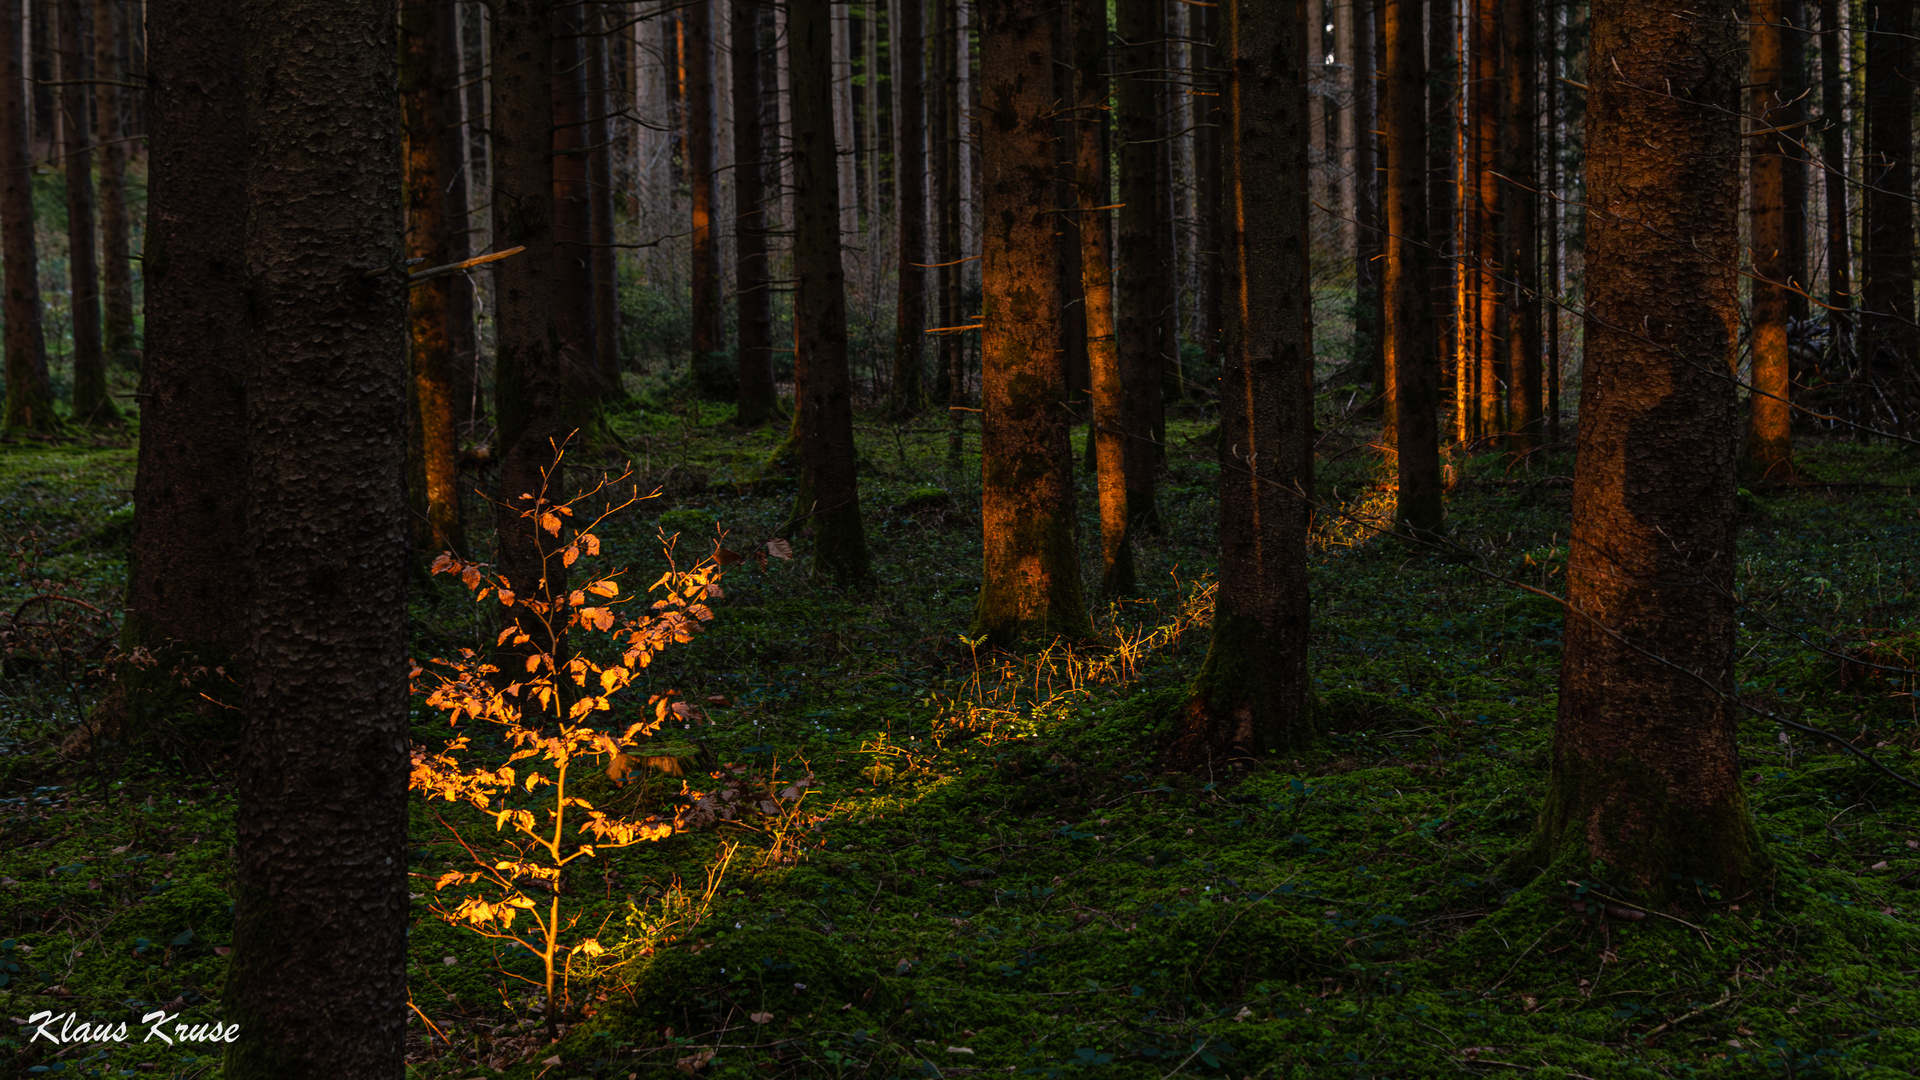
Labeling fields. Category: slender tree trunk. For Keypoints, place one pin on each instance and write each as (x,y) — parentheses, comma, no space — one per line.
(1096,268)
(1447,259)
(756,405)
(1368,316)
(1833,154)
(948,201)
(1551,287)
(697,19)
(1136,263)
(1411,370)
(1887,259)
(1769,419)
(605,258)
(829,500)
(573,314)
(1030,579)
(1210,164)
(845,152)
(116,291)
(910,205)
(1251,695)
(458,176)
(320,880)
(1484,107)
(1645,770)
(1519,152)
(92,401)
(29,391)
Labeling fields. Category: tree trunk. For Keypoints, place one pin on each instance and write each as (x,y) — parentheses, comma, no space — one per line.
(573,309)
(1251,695)
(1137,269)
(605,257)
(1483,103)
(1519,208)
(1208,167)
(529,387)
(1833,154)
(29,391)
(116,291)
(1030,576)
(1551,287)
(1096,267)
(92,400)
(186,572)
(1887,259)
(433,451)
(906,396)
(320,880)
(1411,371)
(1770,420)
(947,200)
(756,404)
(829,500)
(460,175)
(1645,770)
(1368,317)
(708,339)
(1446,257)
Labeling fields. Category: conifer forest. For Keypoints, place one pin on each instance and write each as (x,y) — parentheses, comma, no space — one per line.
(900,539)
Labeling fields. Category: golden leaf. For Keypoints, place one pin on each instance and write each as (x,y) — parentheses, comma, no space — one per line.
(444,563)
(550,523)
(607,587)
(505,634)
(591,542)
(470,577)
(621,766)
(670,766)
(571,555)
(533,662)
(613,678)
(576,598)
(506,597)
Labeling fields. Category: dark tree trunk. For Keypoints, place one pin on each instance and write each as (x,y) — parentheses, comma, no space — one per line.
(1645,770)
(829,501)
(1030,577)
(29,391)
(604,259)
(1368,317)
(1833,154)
(320,879)
(1137,269)
(1096,266)
(190,490)
(116,292)
(1771,218)
(697,19)
(92,401)
(1444,253)
(1208,164)
(1251,695)
(1551,287)
(952,384)
(433,452)
(1411,371)
(910,206)
(463,335)
(756,405)
(1519,152)
(573,307)
(529,386)
(1887,259)
(1483,107)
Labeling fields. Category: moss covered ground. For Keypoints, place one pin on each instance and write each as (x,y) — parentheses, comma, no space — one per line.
(990,874)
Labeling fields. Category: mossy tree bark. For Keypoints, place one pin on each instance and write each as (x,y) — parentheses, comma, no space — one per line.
(321,869)
(92,401)
(29,391)
(757,403)
(1251,694)
(1412,374)
(116,289)
(829,498)
(1770,219)
(1137,126)
(1520,214)
(1645,771)
(907,395)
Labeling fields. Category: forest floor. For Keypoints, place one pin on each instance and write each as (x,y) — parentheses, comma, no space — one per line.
(987,872)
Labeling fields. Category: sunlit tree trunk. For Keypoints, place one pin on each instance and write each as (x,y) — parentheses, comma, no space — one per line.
(1096,268)
(29,391)
(1251,694)
(1769,420)
(604,258)
(1445,252)
(1887,350)
(1411,370)
(756,404)
(697,19)
(1521,236)
(829,498)
(1136,267)
(1030,578)
(1645,770)
(433,452)
(116,290)
(92,403)
(1833,155)
(573,211)
(905,398)
(1483,104)
(320,869)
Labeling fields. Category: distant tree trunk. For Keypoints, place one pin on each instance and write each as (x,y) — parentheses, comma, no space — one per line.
(604,258)
(1519,151)
(29,391)
(1770,420)
(1368,316)
(92,402)
(910,208)
(573,307)
(1447,259)
(1483,102)
(116,291)
(845,152)
(1208,157)
(1833,154)
(320,878)
(1137,269)
(463,333)
(1251,694)
(1030,578)
(1096,267)
(947,203)
(756,404)
(1551,287)
(829,500)
(697,19)
(433,451)
(1411,371)
(1887,258)
(529,387)
(1645,770)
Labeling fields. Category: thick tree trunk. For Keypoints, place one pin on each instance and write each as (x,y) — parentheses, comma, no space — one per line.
(1446,261)
(1096,267)
(829,501)
(320,880)
(1483,104)
(29,391)
(605,257)
(1520,211)
(529,387)
(1887,351)
(1411,371)
(433,451)
(573,306)
(116,291)
(92,401)
(756,404)
(707,340)
(1251,695)
(1030,576)
(1833,154)
(1136,125)
(906,397)
(1769,419)
(1645,770)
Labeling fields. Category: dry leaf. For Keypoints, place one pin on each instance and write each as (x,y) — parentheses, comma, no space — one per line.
(693,1063)
(727,558)
(779,548)
(761,1017)
(551,523)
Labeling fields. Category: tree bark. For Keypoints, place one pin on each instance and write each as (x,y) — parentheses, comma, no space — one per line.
(1251,694)
(1833,154)
(1136,267)
(707,340)
(1769,418)
(1483,105)
(829,500)
(116,292)
(1096,268)
(1887,257)
(320,882)
(92,400)
(906,397)
(1645,771)
(604,257)
(1411,371)
(756,405)
(29,391)
(573,297)
(1447,263)
(1030,576)
(1519,210)
(1368,316)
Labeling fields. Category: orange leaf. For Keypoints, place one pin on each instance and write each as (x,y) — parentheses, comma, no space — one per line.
(605,588)
(779,548)
(443,563)
(571,555)
(470,577)
(506,597)
(551,523)
(592,543)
